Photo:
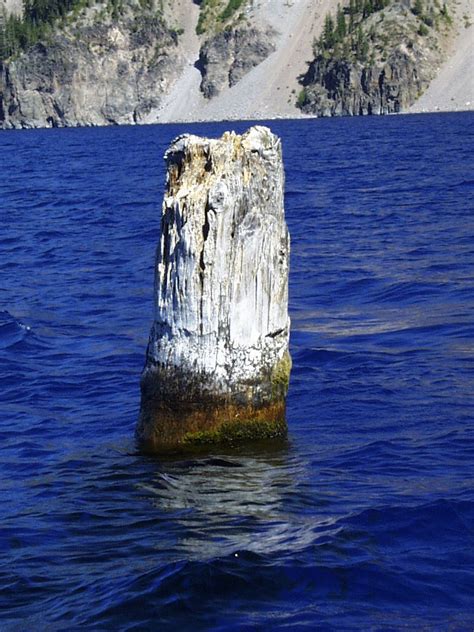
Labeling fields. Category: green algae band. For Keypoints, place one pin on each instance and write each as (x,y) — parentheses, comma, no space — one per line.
(217,364)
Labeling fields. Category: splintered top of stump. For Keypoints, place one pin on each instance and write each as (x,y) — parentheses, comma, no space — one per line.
(200,163)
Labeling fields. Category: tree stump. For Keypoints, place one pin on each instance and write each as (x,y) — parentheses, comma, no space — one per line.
(217,364)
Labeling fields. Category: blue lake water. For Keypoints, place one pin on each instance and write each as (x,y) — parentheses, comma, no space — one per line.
(364,519)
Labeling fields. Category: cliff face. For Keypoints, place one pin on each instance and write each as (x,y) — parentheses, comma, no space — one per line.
(344,88)
(109,73)
(229,55)
(383,66)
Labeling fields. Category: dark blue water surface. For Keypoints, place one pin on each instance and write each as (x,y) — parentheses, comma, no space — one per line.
(364,520)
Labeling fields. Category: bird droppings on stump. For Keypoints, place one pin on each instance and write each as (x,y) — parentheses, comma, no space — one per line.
(217,364)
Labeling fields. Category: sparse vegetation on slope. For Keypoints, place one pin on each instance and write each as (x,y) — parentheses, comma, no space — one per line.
(95,62)
(42,19)
(216,14)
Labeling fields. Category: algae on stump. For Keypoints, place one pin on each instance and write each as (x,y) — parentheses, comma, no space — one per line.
(217,365)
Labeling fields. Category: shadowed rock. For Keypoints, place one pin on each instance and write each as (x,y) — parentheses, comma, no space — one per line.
(217,365)
(229,55)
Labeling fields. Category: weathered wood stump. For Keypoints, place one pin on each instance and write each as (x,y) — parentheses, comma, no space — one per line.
(217,365)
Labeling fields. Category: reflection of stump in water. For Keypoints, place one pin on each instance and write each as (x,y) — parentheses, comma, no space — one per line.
(217,365)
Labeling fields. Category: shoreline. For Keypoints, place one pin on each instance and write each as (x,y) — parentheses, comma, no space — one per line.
(302,117)
(409,113)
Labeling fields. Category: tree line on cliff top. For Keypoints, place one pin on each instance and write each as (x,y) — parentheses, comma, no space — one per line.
(39,17)
(343,36)
(18,33)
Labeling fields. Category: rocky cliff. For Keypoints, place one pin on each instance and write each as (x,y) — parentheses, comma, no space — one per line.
(109,70)
(231,44)
(379,64)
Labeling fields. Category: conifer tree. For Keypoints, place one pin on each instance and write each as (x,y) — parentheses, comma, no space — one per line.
(368,8)
(3,39)
(340,24)
(352,12)
(361,45)
(328,32)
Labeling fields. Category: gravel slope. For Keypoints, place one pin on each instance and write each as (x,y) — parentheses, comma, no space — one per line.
(271,88)
(185,98)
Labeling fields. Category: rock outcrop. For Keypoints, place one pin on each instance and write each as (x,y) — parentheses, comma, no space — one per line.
(217,365)
(344,88)
(380,68)
(113,72)
(229,55)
